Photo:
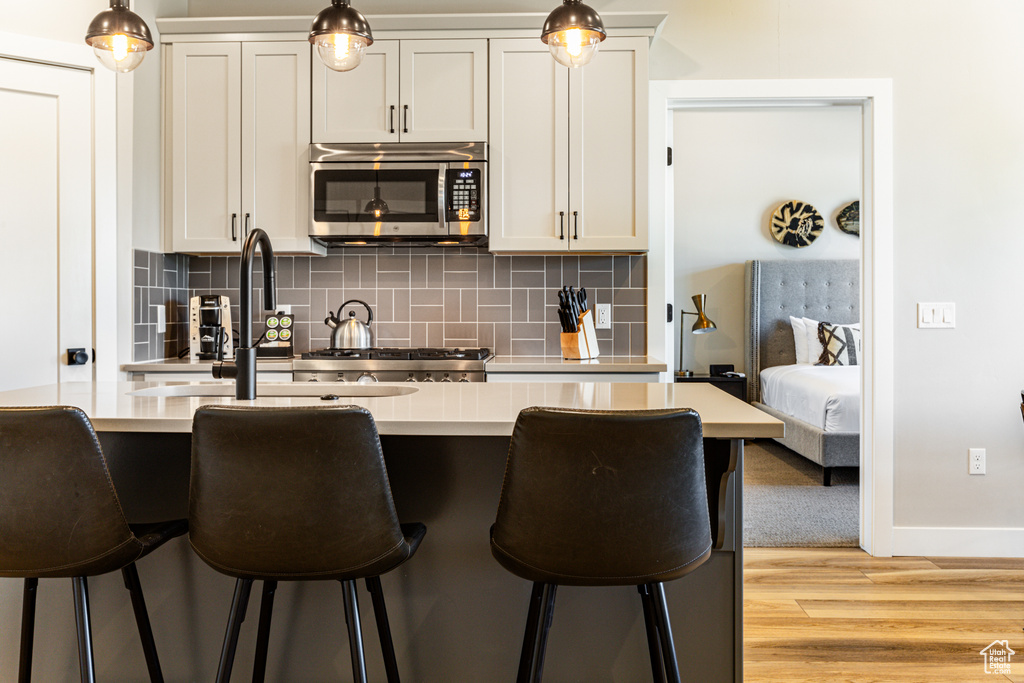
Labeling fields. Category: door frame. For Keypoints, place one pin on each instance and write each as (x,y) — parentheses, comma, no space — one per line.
(111,245)
(874,97)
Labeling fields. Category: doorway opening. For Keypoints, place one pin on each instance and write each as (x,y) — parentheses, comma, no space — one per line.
(873,99)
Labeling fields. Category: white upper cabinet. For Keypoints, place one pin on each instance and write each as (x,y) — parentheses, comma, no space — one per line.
(568,152)
(408,91)
(239,144)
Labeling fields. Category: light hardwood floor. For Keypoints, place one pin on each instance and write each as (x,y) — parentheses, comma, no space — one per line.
(838,614)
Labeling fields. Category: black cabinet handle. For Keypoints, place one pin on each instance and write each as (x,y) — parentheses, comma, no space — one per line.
(246,225)
(391,123)
(405,118)
(561,225)
(575,225)
(234,227)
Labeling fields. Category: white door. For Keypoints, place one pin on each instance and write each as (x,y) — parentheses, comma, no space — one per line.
(444,90)
(46,223)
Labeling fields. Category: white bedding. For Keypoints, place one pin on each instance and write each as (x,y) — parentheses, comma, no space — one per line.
(827,397)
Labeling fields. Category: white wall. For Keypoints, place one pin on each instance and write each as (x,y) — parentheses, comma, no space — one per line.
(731,170)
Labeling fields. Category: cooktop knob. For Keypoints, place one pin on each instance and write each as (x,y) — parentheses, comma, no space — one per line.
(367,378)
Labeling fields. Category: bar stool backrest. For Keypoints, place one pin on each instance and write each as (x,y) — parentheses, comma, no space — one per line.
(603,498)
(290,493)
(59,514)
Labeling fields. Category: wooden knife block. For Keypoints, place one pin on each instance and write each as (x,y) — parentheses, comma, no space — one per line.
(583,344)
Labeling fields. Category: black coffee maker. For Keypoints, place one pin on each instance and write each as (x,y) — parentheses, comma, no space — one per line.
(209,322)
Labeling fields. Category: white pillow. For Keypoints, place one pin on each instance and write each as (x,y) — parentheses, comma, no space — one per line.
(813,345)
(800,338)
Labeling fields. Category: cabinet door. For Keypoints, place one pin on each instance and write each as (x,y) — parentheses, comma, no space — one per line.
(359,105)
(608,149)
(443,90)
(205,137)
(275,142)
(529,194)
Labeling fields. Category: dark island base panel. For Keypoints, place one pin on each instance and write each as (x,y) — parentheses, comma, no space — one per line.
(455,614)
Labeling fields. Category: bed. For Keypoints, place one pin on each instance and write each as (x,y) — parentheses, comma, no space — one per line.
(820,405)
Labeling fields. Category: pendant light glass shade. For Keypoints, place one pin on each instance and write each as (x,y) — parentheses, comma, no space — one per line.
(341,35)
(377,206)
(573,31)
(119,37)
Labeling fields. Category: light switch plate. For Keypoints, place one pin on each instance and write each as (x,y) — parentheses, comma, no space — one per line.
(936,315)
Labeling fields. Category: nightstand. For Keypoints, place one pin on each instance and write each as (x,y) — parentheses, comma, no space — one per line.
(737,386)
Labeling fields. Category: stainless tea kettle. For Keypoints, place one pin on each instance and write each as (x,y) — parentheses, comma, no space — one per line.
(352,334)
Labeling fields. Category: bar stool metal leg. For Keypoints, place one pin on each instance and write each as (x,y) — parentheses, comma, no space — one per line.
(668,649)
(238,604)
(80,586)
(653,644)
(355,634)
(380,615)
(259,668)
(529,651)
(28,627)
(130,574)
(548,611)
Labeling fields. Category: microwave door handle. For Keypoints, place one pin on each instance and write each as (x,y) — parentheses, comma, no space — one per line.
(442,185)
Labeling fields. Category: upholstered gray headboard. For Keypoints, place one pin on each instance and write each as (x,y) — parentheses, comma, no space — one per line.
(826,290)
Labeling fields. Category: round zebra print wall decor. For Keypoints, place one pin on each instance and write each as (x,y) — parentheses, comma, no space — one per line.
(848,219)
(796,224)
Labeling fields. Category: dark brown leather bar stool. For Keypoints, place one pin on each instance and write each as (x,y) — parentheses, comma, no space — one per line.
(603,499)
(60,518)
(295,494)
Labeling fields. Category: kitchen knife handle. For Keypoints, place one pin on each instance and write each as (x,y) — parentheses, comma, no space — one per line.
(391,124)
(234,227)
(575,225)
(405,118)
(561,225)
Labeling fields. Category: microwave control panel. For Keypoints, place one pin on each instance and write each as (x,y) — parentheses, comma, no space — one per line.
(463,192)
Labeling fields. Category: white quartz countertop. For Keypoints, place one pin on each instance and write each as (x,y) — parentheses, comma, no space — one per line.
(470,409)
(609,364)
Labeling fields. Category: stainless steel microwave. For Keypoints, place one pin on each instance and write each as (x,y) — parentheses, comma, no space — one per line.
(419,194)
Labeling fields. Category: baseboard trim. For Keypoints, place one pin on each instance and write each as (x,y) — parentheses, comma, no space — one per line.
(958,541)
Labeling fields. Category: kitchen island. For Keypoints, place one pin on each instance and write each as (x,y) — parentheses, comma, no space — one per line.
(455,613)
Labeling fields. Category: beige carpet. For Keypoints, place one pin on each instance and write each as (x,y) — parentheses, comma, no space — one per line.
(785,505)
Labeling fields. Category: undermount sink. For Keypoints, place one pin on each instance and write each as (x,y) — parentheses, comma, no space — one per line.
(280,390)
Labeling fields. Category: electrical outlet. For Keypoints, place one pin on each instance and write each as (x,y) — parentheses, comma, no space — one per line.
(284,309)
(160,311)
(976,461)
(604,316)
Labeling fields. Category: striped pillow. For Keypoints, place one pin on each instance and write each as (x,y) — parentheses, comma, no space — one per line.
(840,344)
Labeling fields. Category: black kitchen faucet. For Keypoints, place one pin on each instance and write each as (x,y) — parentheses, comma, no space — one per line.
(243,370)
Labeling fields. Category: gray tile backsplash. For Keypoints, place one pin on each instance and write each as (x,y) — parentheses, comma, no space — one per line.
(428,297)
(159,279)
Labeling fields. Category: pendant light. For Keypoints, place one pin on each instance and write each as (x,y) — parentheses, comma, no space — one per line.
(341,35)
(119,37)
(573,32)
